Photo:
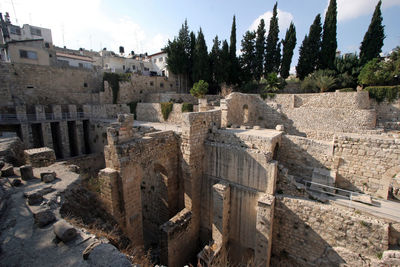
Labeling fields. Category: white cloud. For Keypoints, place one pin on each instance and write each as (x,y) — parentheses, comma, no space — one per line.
(284,19)
(350,9)
(85,24)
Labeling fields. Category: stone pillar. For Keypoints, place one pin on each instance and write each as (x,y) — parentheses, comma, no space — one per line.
(72,111)
(57,112)
(220,222)
(25,135)
(47,137)
(66,152)
(40,113)
(203,104)
(87,111)
(224,113)
(80,138)
(264,223)
(21,113)
(110,193)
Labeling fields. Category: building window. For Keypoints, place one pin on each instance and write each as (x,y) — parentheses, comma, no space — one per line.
(160,59)
(155,60)
(80,65)
(133,67)
(151,83)
(28,54)
(15,30)
(162,85)
(146,69)
(35,31)
(47,45)
(123,67)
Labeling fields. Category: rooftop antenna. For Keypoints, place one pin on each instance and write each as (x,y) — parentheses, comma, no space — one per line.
(62,31)
(15,14)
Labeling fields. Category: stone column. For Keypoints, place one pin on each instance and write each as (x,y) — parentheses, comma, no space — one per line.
(72,111)
(87,111)
(264,223)
(224,113)
(203,104)
(220,222)
(21,113)
(25,135)
(80,138)
(66,152)
(47,137)
(110,193)
(57,112)
(40,113)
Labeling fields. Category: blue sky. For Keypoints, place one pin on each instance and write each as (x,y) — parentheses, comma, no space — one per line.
(145,26)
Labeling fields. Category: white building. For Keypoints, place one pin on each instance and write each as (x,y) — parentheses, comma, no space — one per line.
(78,61)
(159,61)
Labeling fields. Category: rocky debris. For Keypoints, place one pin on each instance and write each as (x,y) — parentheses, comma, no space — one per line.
(44,217)
(26,172)
(48,177)
(363,198)
(107,255)
(73,168)
(34,198)
(1,164)
(16,182)
(280,128)
(64,231)
(256,127)
(7,171)
(12,150)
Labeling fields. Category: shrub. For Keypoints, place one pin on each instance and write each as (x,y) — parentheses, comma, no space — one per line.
(381,93)
(249,87)
(273,83)
(347,90)
(187,107)
(166,108)
(132,107)
(320,80)
(113,80)
(267,95)
(199,89)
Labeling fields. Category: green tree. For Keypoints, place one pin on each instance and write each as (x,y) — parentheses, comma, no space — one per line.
(329,41)
(215,65)
(201,65)
(273,55)
(288,46)
(191,56)
(225,62)
(234,65)
(199,89)
(259,50)
(247,59)
(372,43)
(310,50)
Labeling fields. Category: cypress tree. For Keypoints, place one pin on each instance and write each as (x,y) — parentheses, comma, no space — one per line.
(272,56)
(225,62)
(372,44)
(191,57)
(259,50)
(215,78)
(201,66)
(329,42)
(234,65)
(310,50)
(288,46)
(247,59)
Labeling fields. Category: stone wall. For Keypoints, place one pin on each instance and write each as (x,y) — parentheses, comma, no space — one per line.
(308,233)
(336,112)
(388,114)
(367,163)
(188,98)
(152,112)
(34,84)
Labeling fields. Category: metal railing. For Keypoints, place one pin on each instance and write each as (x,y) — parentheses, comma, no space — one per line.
(9,118)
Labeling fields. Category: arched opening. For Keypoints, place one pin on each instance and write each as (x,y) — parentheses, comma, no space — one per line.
(245,114)
(394,188)
(387,181)
(276,150)
(155,206)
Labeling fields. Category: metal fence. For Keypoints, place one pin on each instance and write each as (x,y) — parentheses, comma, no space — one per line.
(10,118)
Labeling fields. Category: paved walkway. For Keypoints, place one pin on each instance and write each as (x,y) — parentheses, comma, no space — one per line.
(384,208)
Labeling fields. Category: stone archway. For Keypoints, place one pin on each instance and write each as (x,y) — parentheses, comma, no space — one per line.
(386,180)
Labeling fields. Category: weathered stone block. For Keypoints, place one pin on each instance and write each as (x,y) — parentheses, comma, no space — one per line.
(34,198)
(44,217)
(40,157)
(64,231)
(26,172)
(7,171)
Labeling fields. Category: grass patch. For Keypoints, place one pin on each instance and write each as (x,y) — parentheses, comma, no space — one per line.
(166,108)
(187,107)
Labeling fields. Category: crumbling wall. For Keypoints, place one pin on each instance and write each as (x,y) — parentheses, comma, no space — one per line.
(308,233)
(388,114)
(188,98)
(152,112)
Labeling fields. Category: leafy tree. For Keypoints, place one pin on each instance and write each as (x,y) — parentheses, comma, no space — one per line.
(329,42)
(310,50)
(199,89)
(259,50)
(234,63)
(348,69)
(272,56)
(288,46)
(247,59)
(372,44)
(201,65)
